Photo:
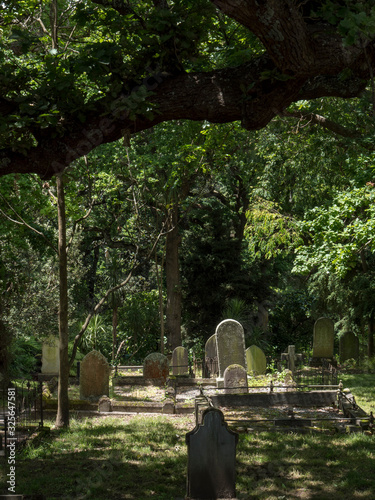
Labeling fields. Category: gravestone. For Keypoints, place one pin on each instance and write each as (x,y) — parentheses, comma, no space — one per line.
(155,366)
(323,338)
(211,458)
(291,358)
(210,352)
(51,356)
(180,361)
(256,360)
(94,376)
(235,380)
(348,347)
(230,341)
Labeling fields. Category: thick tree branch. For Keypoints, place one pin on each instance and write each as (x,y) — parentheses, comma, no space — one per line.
(296,47)
(242,93)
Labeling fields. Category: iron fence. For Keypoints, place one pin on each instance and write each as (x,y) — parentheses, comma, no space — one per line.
(21,411)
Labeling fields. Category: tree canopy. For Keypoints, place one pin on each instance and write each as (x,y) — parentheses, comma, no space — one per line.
(78,74)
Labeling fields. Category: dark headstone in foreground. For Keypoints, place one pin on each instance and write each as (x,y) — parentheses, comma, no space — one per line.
(211,458)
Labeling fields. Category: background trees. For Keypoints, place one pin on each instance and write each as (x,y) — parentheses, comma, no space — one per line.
(186,218)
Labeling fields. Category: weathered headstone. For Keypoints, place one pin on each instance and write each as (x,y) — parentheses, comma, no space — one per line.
(348,347)
(256,360)
(155,366)
(180,361)
(51,356)
(323,338)
(211,458)
(230,342)
(94,376)
(235,380)
(210,352)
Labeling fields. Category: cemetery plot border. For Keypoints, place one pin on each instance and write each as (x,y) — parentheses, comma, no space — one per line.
(295,410)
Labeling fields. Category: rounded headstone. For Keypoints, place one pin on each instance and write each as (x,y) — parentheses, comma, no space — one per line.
(256,360)
(230,341)
(180,361)
(94,376)
(156,366)
(235,380)
(323,339)
(348,347)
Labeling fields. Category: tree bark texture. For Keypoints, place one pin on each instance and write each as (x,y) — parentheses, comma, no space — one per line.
(172,273)
(62,418)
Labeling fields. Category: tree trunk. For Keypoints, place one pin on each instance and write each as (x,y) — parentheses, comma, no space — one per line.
(114,330)
(62,418)
(172,274)
(370,342)
(159,279)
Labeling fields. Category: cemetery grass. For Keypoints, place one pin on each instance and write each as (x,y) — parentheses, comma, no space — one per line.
(141,456)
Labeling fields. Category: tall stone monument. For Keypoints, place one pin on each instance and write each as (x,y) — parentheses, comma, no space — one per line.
(230,342)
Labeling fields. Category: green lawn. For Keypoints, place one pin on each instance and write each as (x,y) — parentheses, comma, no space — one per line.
(142,457)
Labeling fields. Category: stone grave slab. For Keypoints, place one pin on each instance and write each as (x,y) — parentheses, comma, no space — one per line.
(323,339)
(94,376)
(295,399)
(51,356)
(230,342)
(256,360)
(180,361)
(348,347)
(235,380)
(211,458)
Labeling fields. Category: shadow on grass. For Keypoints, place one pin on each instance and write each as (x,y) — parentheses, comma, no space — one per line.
(103,461)
(288,466)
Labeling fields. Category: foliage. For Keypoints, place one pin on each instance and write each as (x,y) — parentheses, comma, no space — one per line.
(340,233)
(269,232)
